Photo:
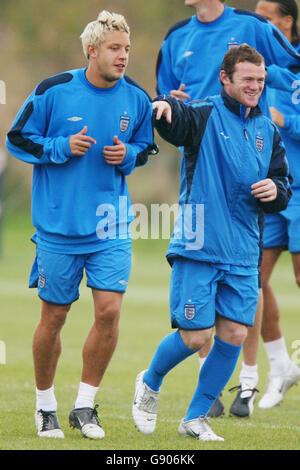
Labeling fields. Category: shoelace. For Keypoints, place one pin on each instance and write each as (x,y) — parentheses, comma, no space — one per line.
(95,414)
(46,418)
(238,387)
(243,390)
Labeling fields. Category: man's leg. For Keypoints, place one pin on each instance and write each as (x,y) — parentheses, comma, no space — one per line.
(218,367)
(243,403)
(283,372)
(46,351)
(172,350)
(102,339)
(97,352)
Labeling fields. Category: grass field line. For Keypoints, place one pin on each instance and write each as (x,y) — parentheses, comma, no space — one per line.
(233,422)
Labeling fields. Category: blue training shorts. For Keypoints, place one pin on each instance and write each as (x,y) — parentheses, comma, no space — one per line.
(57,276)
(200,290)
(283,229)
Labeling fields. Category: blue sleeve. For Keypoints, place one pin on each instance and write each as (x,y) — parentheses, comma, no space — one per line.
(292,125)
(166,80)
(275,48)
(27,138)
(281,78)
(141,141)
(187,126)
(279,173)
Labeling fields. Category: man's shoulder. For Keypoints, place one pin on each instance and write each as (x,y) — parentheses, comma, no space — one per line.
(179,27)
(250,15)
(53,81)
(136,87)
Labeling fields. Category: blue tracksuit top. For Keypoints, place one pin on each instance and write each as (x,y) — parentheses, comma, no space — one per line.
(224,154)
(67,190)
(288,103)
(192,52)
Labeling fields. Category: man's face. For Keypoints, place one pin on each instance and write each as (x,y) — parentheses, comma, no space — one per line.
(246,84)
(270,11)
(111,58)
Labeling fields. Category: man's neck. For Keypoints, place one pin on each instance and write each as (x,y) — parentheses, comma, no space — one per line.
(209,10)
(95,79)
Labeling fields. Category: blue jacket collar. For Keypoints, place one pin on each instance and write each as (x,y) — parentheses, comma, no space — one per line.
(238,108)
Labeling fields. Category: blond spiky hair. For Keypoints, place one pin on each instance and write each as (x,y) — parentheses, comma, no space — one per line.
(95,31)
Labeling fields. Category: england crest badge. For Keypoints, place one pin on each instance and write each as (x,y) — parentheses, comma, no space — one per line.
(124,123)
(259,142)
(189,311)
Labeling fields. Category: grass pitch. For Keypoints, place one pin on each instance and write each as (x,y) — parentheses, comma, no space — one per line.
(144,322)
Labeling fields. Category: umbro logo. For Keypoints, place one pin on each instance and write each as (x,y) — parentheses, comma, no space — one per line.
(225,136)
(188,53)
(75,118)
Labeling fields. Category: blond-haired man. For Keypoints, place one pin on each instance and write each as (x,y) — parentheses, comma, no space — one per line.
(83,130)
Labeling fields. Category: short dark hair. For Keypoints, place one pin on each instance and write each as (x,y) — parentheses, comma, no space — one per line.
(289,8)
(237,54)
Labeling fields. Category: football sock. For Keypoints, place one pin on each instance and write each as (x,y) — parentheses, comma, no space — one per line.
(249,375)
(278,356)
(86,396)
(170,352)
(214,375)
(45,399)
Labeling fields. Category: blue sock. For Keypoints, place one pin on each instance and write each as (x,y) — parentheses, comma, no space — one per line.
(170,352)
(214,375)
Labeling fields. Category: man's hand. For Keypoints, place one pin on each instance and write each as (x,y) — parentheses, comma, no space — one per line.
(115,154)
(277,116)
(163,109)
(180,94)
(80,143)
(264,190)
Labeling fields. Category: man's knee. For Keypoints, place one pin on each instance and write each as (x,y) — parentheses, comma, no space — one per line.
(107,314)
(54,316)
(195,340)
(231,332)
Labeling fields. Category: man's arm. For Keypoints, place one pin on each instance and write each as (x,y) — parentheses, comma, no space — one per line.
(179,124)
(274,192)
(289,122)
(282,79)
(27,139)
(141,144)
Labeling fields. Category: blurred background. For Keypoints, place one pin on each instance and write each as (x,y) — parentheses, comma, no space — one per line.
(40,38)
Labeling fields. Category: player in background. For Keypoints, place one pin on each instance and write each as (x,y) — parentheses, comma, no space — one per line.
(282,231)
(83,131)
(188,67)
(233,155)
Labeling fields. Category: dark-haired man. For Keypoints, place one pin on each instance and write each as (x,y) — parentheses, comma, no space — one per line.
(234,166)
(188,67)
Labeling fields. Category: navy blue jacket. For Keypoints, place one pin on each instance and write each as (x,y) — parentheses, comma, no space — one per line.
(224,154)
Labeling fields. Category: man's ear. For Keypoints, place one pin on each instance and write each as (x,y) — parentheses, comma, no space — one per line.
(224,79)
(91,51)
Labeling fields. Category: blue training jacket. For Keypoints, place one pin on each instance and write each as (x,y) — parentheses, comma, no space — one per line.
(224,154)
(67,190)
(283,93)
(192,52)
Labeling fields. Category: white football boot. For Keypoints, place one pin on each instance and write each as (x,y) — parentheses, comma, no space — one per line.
(198,428)
(144,408)
(278,385)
